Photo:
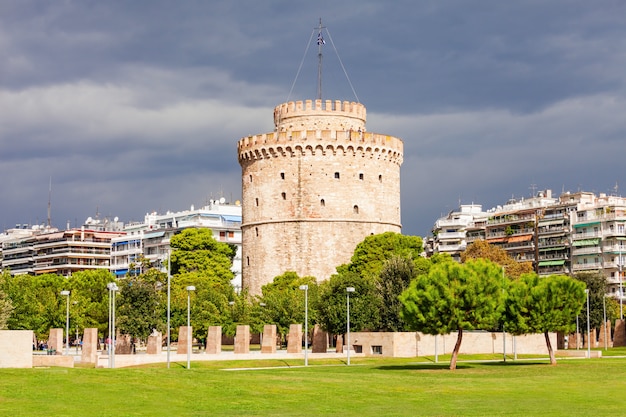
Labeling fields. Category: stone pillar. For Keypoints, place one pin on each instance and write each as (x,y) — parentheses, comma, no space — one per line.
(294,340)
(605,329)
(123,344)
(55,341)
(269,339)
(155,343)
(619,338)
(320,340)
(589,338)
(242,339)
(90,346)
(184,337)
(574,341)
(214,340)
(339,344)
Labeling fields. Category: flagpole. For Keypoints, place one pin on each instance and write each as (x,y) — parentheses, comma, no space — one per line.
(320,42)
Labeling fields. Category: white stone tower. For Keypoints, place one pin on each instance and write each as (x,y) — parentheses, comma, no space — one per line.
(313,189)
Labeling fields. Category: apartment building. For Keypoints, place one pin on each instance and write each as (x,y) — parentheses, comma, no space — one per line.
(146,244)
(578,232)
(40,250)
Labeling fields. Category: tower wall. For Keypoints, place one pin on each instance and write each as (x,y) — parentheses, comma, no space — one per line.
(310,196)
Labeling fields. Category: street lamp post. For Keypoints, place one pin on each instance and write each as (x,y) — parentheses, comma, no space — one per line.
(112,289)
(621,295)
(190,288)
(348,291)
(588,327)
(169,278)
(305,288)
(67,322)
(604,318)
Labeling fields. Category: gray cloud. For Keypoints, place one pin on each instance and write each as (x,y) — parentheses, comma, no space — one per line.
(132,107)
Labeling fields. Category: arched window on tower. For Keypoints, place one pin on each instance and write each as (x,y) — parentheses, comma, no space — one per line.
(337,175)
(361,176)
(380,178)
(355,209)
(282,175)
(322,203)
(283,195)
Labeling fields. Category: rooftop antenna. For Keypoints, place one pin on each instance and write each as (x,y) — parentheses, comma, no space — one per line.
(320,42)
(49,202)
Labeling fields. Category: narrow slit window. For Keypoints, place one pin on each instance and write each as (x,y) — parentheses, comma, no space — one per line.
(283,195)
(282,175)
(361,176)
(336,175)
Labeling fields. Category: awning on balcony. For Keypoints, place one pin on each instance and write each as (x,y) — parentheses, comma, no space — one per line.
(586,242)
(524,238)
(552,263)
(154,234)
(551,248)
(586,224)
(233,219)
(496,240)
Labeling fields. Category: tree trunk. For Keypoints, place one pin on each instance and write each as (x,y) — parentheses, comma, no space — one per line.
(550,351)
(455,352)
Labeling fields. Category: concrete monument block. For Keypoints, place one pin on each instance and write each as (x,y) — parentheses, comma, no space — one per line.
(605,335)
(155,343)
(242,339)
(214,340)
(619,337)
(268,344)
(123,345)
(294,339)
(185,333)
(320,340)
(339,344)
(55,341)
(90,346)
(16,348)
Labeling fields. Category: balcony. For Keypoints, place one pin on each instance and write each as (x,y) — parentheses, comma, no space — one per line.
(451,235)
(587,266)
(586,250)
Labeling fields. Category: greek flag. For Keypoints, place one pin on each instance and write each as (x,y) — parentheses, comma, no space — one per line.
(320,39)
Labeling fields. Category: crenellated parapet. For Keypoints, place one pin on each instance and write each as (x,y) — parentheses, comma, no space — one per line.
(321,142)
(320,115)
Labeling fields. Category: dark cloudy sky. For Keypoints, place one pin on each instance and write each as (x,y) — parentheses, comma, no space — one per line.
(137,106)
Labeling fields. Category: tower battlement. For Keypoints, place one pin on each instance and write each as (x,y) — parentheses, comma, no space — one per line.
(279,144)
(320,114)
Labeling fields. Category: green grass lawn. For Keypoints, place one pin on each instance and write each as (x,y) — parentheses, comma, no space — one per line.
(370,387)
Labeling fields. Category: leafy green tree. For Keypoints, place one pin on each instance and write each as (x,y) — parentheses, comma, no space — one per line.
(284,301)
(455,297)
(37,303)
(542,305)
(6,306)
(394,278)
(198,259)
(596,282)
(364,303)
(196,250)
(90,299)
(371,254)
(138,311)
